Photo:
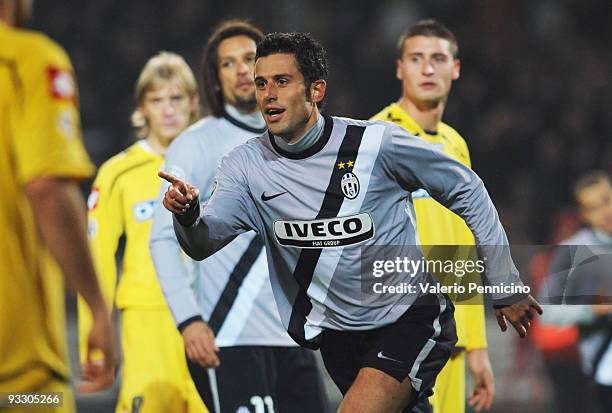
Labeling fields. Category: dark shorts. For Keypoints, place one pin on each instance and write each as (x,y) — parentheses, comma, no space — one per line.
(417,345)
(262,379)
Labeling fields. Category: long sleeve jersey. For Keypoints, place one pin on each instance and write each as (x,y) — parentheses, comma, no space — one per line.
(328,213)
(436,225)
(230,290)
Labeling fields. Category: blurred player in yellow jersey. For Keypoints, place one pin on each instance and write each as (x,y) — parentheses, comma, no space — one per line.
(42,219)
(427,65)
(154,376)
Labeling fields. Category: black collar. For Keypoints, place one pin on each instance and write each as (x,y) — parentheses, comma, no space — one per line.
(243,125)
(318,145)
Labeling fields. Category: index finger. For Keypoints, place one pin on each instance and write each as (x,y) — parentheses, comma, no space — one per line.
(168,177)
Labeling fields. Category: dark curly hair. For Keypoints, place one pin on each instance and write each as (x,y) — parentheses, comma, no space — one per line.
(308,52)
(210,71)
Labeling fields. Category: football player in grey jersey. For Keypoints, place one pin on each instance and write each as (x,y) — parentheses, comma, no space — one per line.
(323,192)
(239,354)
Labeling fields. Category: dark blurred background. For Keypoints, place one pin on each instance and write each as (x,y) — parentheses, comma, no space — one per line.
(533,100)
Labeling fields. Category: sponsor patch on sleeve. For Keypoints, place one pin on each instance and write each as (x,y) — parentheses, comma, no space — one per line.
(62,84)
(66,123)
(92,199)
(92,228)
(143,211)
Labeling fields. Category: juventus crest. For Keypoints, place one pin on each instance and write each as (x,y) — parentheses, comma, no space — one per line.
(350,185)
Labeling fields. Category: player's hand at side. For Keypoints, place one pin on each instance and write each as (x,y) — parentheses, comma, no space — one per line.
(479,364)
(180,194)
(518,314)
(200,344)
(99,374)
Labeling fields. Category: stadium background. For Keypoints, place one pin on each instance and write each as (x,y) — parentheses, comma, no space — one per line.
(532,102)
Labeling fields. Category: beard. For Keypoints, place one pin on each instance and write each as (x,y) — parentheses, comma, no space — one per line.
(246,103)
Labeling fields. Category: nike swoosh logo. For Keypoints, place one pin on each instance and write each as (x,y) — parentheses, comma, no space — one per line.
(380,355)
(266,198)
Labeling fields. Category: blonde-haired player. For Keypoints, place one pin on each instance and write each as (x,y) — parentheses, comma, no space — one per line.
(42,219)
(427,65)
(155,376)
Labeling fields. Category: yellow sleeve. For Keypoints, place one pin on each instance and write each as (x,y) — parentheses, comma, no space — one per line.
(105,227)
(47,136)
(476,335)
(467,154)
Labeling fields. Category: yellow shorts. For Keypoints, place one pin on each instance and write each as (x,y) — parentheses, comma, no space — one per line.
(449,390)
(54,386)
(155,376)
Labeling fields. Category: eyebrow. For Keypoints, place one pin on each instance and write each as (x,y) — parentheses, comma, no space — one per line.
(432,54)
(277,76)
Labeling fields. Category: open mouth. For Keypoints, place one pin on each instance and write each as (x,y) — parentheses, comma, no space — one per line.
(274,114)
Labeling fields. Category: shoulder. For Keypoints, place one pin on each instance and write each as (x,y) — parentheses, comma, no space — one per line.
(250,152)
(208,130)
(202,127)
(385,114)
(374,123)
(32,48)
(121,163)
(187,147)
(450,133)
(197,131)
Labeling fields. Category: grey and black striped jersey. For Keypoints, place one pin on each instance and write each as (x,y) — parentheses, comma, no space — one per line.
(322,212)
(230,290)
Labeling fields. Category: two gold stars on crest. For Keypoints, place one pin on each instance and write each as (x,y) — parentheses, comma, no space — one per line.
(348,164)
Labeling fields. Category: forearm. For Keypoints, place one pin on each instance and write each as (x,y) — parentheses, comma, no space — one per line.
(470,200)
(171,269)
(201,235)
(59,210)
(196,239)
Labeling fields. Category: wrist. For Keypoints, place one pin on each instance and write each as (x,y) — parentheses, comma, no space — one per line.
(184,324)
(508,301)
(191,215)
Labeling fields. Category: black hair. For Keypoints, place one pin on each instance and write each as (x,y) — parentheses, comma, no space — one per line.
(210,63)
(309,54)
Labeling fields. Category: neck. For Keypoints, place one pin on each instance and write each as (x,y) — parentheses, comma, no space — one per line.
(428,117)
(159,145)
(310,137)
(294,137)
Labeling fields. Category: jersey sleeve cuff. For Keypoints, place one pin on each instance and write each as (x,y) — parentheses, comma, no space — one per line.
(189,218)
(182,326)
(506,301)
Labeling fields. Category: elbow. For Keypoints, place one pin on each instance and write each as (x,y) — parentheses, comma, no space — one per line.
(197,256)
(193,251)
